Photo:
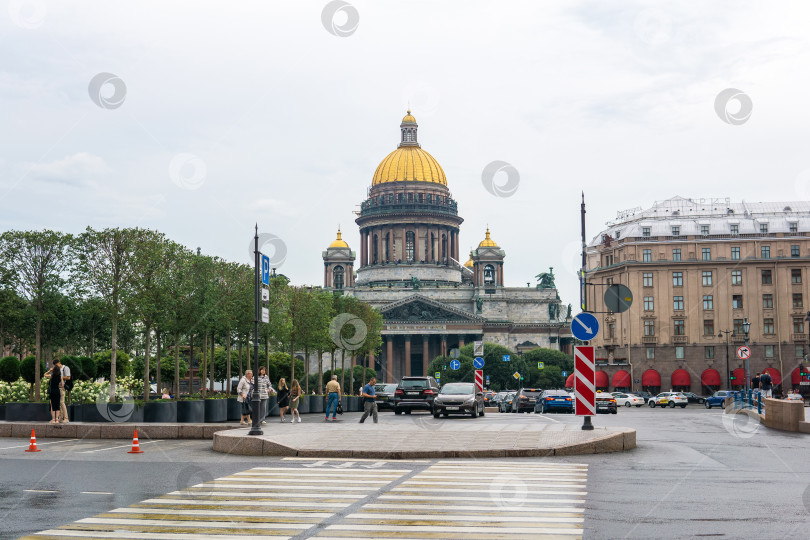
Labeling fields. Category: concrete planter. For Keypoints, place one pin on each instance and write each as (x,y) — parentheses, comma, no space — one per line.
(108,412)
(316,404)
(303,406)
(2,411)
(216,410)
(234,409)
(28,412)
(191,411)
(272,406)
(75,413)
(355,404)
(160,411)
(344,402)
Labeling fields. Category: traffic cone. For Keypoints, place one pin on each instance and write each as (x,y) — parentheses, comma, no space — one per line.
(33,446)
(136,447)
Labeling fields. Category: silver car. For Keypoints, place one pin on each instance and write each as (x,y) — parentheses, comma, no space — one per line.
(459,398)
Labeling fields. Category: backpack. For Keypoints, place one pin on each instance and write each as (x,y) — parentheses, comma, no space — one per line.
(69,385)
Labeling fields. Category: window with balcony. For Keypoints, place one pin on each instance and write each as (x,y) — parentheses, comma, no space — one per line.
(798,325)
(676,255)
(708,352)
(677,279)
(677,303)
(767,301)
(794,251)
(649,328)
(704,230)
(708,328)
(736,277)
(649,304)
(738,327)
(646,255)
(647,279)
(676,231)
(736,301)
(678,327)
(769,351)
(707,254)
(708,301)
(645,232)
(707,278)
(767,326)
(798,301)
(679,352)
(735,254)
(650,353)
(765,252)
(763,228)
(734,229)
(795,275)
(767,277)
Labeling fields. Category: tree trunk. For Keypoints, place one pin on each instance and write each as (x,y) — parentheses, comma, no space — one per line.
(267,356)
(113,355)
(93,342)
(37,374)
(190,366)
(159,358)
(241,371)
(292,360)
(363,360)
(343,370)
(228,363)
(176,365)
(147,344)
(213,351)
(306,371)
(320,372)
(203,371)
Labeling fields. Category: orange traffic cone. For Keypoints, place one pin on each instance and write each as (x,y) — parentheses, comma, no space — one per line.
(136,447)
(33,446)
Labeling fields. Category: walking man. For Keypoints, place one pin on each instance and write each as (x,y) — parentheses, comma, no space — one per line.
(369,401)
(333,393)
(766,385)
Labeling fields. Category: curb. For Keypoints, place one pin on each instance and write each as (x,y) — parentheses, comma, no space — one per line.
(111,430)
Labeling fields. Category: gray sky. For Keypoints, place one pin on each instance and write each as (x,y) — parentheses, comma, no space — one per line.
(240,112)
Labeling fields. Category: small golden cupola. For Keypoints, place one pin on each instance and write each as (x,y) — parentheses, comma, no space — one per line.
(488,241)
(339,241)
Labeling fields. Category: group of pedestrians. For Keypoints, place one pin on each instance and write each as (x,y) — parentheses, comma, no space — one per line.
(289,397)
(59,384)
(763,383)
(368,394)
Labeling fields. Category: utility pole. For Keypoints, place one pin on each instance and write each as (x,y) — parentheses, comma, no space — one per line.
(256,402)
(583,297)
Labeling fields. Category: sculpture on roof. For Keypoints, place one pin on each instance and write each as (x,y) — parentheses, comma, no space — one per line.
(546,279)
(415,283)
(479,304)
(568,315)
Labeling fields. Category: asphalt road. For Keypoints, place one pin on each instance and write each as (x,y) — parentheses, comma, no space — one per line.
(695,473)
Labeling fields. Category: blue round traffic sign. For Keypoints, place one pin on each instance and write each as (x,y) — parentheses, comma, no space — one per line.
(455,364)
(584,326)
(478,362)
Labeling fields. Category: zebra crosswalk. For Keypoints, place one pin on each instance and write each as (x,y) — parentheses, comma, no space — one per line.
(445,499)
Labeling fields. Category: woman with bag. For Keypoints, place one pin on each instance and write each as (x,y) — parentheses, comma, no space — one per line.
(243,391)
(53,392)
(295,400)
(264,392)
(283,397)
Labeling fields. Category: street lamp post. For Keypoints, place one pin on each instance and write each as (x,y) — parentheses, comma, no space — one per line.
(728,372)
(746,329)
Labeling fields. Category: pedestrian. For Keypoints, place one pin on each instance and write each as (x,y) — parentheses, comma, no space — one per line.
(295,400)
(755,383)
(64,388)
(333,393)
(264,392)
(283,397)
(766,385)
(243,397)
(53,392)
(165,394)
(369,401)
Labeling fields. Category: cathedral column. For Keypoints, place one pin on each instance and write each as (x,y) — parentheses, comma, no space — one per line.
(460,340)
(407,356)
(403,245)
(362,248)
(444,345)
(500,274)
(326,275)
(425,354)
(389,359)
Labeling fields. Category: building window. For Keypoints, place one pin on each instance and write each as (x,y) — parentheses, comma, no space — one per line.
(735,230)
(611,331)
(618,234)
(677,303)
(676,231)
(704,230)
(767,326)
(794,251)
(676,255)
(679,353)
(650,353)
(707,278)
(798,325)
(708,352)
(799,351)
(794,227)
(649,305)
(489,274)
(708,327)
(337,277)
(609,281)
(798,300)
(645,232)
(708,301)
(795,275)
(767,301)
(736,277)
(677,279)
(647,279)
(763,228)
(646,255)
(649,328)
(409,243)
(769,351)
(707,254)
(678,327)
(767,278)
(765,252)
(736,301)
(735,254)
(738,327)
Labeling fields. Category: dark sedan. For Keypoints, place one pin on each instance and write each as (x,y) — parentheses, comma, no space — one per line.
(458,398)
(384,392)
(694,398)
(605,403)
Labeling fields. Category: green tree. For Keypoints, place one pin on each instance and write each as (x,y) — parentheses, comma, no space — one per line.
(9,369)
(554,362)
(104,364)
(30,373)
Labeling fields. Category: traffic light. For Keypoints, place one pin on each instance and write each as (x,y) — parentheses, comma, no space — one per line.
(731,377)
(803,372)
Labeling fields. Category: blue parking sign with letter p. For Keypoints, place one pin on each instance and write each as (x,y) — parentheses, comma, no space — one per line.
(265,269)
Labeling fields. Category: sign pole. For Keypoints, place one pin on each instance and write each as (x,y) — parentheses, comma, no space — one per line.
(256,402)
(583,293)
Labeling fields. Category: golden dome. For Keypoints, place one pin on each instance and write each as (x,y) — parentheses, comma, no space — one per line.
(488,242)
(470,263)
(339,242)
(409,163)
(408,119)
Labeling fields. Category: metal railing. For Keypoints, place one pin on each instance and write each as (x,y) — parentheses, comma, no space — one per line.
(751,400)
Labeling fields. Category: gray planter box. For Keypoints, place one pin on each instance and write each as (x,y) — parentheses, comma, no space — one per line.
(317,404)
(75,413)
(216,410)
(272,406)
(160,411)
(355,404)
(191,411)
(28,412)
(344,401)
(234,409)
(2,411)
(303,406)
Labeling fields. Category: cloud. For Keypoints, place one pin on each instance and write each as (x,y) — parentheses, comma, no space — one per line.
(76,170)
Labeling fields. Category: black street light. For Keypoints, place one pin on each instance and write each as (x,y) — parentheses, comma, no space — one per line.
(746,329)
(728,373)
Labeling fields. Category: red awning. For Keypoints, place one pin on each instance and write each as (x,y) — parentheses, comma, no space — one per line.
(651,378)
(601,379)
(776,377)
(710,377)
(621,379)
(795,377)
(739,375)
(680,377)
(569,382)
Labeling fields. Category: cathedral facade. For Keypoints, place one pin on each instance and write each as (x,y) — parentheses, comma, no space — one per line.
(410,271)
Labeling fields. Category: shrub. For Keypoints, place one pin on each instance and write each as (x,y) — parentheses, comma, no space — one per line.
(27,367)
(9,369)
(88,368)
(103,360)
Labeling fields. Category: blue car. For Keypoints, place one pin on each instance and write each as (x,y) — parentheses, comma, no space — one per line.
(717,399)
(554,400)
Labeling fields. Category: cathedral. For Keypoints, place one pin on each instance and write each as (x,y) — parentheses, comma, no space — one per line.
(410,271)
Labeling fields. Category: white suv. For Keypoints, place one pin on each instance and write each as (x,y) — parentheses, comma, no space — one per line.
(670,399)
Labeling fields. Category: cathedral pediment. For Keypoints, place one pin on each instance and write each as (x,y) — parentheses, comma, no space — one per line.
(418,308)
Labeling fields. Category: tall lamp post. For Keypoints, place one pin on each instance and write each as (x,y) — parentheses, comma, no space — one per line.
(746,329)
(728,373)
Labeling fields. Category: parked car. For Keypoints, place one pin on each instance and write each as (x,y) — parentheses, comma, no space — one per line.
(415,393)
(458,398)
(554,400)
(496,399)
(717,399)
(606,403)
(505,404)
(694,398)
(644,395)
(488,396)
(628,400)
(384,393)
(525,399)
(668,399)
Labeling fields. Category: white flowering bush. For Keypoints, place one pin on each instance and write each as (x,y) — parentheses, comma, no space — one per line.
(14,392)
(127,386)
(83,391)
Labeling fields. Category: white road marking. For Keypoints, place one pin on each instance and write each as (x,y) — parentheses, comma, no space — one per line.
(38,444)
(122,446)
